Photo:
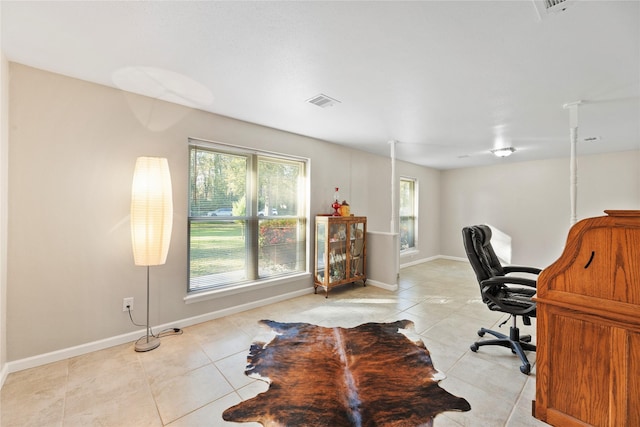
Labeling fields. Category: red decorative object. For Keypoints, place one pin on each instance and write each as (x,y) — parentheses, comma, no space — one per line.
(336,204)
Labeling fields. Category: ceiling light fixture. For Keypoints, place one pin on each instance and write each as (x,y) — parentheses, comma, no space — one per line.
(503,152)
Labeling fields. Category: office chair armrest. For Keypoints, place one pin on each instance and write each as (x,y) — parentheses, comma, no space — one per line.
(521,269)
(507,280)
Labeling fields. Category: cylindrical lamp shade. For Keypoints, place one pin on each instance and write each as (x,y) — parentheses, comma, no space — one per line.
(151,211)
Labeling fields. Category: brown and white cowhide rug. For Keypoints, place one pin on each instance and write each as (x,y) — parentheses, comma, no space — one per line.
(370,375)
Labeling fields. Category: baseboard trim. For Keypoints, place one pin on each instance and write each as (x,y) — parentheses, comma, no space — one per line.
(79,350)
(452,258)
(382,285)
(418,261)
(433,258)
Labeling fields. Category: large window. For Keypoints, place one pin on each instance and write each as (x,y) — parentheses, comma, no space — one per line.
(408,214)
(247,218)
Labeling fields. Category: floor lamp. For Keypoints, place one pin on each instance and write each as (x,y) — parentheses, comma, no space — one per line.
(151,223)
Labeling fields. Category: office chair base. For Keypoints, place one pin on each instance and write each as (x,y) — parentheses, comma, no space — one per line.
(514,342)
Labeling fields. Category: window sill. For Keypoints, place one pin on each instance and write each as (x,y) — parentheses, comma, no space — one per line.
(245,287)
(409,253)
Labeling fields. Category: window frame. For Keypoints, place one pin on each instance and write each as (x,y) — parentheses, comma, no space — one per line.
(251,220)
(414,214)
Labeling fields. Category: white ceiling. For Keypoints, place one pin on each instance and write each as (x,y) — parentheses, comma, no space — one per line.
(449,80)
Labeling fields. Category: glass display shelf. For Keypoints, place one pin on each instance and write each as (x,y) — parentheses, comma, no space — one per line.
(340,251)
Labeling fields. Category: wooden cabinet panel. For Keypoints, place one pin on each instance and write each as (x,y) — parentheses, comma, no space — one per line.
(633,391)
(602,268)
(588,338)
(584,381)
(572,279)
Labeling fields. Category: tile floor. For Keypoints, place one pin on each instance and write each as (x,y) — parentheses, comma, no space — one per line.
(191,378)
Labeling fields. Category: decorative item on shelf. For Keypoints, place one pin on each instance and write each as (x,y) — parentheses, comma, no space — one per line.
(345,209)
(336,204)
(342,232)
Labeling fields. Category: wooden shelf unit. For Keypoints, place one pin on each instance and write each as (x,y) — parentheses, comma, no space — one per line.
(341,251)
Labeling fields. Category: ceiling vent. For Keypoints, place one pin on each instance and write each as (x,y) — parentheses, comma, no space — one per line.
(546,8)
(323,101)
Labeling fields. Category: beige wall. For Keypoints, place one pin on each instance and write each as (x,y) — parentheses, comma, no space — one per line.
(530,201)
(73,146)
(4,164)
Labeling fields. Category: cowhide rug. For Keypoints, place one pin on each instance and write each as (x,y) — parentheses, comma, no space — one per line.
(370,375)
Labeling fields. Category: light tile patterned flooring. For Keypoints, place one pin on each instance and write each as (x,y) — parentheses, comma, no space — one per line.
(192,378)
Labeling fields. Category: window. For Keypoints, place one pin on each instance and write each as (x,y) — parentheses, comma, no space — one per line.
(247,217)
(408,214)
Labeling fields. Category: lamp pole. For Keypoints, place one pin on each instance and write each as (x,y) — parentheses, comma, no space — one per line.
(148,342)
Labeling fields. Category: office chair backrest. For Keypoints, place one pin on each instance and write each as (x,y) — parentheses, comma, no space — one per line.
(483,259)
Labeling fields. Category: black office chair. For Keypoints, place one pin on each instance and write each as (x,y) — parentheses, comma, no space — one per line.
(502,292)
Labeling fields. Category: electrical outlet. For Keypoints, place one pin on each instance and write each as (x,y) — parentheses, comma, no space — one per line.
(127,302)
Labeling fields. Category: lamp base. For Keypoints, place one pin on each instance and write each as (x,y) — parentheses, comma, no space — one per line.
(147,343)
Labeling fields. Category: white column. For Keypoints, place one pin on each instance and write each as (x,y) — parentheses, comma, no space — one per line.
(573,176)
(573,163)
(394,213)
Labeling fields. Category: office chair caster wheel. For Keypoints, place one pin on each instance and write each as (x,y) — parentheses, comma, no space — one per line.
(525,369)
(474,347)
(480,333)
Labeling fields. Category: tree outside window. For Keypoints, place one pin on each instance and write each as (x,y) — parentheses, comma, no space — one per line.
(247,217)
(408,214)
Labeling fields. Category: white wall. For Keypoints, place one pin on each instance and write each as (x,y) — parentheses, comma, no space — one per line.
(530,201)
(382,264)
(4,165)
(73,146)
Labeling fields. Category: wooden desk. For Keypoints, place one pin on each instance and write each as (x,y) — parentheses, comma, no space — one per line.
(588,326)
